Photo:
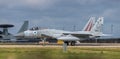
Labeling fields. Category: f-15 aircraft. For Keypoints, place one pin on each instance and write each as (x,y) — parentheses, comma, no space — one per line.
(92,29)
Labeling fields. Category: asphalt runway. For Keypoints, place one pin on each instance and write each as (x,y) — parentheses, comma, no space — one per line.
(90,45)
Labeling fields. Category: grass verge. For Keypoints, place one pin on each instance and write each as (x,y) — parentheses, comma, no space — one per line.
(57,53)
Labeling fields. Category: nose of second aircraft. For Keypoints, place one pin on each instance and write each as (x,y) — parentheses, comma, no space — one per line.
(20,34)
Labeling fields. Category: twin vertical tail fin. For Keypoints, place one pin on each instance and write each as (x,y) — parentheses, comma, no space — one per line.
(89,24)
(24,27)
(94,27)
(97,28)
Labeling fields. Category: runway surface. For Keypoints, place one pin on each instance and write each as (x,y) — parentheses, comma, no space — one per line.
(31,45)
(50,46)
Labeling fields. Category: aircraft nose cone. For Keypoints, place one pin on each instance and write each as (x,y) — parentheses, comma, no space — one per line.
(19,35)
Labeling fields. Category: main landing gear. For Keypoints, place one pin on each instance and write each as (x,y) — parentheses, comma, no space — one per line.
(71,43)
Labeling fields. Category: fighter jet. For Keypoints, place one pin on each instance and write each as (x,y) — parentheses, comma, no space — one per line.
(92,29)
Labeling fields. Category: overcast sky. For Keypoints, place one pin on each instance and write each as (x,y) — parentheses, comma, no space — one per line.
(60,14)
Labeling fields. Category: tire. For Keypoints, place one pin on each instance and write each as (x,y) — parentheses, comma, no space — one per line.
(72,43)
(66,42)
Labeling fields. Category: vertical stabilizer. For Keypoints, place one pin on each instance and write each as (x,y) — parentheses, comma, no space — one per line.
(97,28)
(89,24)
(24,27)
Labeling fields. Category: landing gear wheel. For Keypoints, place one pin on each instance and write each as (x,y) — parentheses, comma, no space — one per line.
(72,43)
(66,43)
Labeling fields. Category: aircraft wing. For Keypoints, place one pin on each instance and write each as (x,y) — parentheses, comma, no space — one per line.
(74,36)
(80,34)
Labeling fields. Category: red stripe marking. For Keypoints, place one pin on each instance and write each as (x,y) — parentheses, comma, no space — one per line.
(89,25)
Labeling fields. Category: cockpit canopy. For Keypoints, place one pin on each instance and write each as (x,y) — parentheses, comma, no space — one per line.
(37,28)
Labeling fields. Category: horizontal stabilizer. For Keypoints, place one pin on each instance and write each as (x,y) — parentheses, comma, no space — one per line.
(106,35)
